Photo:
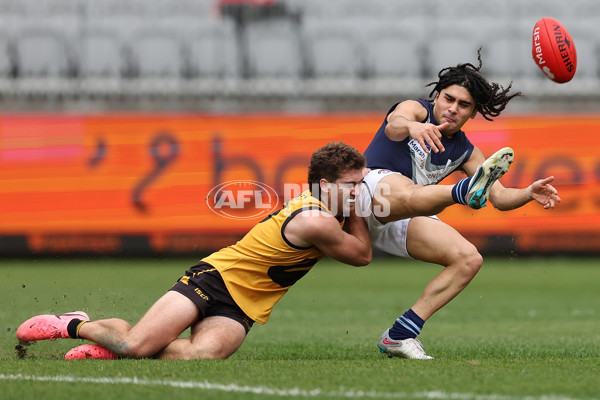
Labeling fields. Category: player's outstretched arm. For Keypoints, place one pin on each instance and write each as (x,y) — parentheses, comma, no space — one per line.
(544,193)
(541,191)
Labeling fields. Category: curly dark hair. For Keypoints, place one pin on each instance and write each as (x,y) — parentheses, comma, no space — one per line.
(332,160)
(490,98)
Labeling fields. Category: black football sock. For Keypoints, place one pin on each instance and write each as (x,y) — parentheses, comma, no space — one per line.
(73,328)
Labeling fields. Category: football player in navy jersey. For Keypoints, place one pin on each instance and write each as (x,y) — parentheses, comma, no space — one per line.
(418,144)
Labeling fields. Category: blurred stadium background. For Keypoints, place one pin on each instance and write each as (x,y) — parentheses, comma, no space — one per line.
(117,117)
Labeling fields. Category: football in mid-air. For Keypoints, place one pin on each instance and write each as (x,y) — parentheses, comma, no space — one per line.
(553,50)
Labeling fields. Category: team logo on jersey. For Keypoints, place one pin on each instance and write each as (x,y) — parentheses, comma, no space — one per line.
(425,172)
(242,199)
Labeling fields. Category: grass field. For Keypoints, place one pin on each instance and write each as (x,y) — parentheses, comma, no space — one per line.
(524,329)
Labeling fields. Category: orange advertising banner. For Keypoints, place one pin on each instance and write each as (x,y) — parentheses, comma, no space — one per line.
(181,183)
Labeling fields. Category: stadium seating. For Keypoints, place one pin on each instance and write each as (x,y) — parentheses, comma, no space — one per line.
(213,50)
(507,52)
(371,43)
(157,50)
(45,48)
(6,68)
(101,51)
(333,48)
(273,50)
(387,54)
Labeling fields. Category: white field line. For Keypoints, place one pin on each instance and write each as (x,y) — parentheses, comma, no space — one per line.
(268,391)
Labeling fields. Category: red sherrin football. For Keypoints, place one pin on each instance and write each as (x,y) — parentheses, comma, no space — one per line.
(553,50)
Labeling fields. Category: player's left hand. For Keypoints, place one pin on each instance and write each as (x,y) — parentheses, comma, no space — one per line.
(544,193)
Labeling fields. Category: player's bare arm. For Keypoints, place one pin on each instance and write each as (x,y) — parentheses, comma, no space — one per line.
(405,121)
(505,199)
(321,229)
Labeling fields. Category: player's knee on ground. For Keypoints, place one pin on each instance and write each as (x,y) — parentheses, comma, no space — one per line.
(210,354)
(213,350)
(213,347)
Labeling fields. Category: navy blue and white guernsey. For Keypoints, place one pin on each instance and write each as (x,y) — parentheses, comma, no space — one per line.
(408,158)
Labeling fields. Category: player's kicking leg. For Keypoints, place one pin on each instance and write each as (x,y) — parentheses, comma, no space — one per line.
(396,197)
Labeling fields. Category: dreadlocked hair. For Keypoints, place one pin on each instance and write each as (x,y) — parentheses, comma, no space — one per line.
(490,98)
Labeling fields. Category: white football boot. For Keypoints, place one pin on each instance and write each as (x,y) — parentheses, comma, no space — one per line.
(407,348)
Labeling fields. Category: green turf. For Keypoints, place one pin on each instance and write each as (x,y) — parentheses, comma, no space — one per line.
(523,329)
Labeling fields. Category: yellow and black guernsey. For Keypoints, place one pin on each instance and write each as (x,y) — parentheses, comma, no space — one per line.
(260,268)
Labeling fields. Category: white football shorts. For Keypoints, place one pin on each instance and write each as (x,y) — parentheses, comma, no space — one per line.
(389,237)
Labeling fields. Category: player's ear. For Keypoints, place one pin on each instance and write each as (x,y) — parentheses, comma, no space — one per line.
(474,114)
(324,185)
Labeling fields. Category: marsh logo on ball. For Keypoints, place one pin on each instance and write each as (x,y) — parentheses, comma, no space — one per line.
(242,200)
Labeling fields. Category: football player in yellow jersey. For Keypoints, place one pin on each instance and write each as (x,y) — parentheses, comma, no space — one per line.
(225,293)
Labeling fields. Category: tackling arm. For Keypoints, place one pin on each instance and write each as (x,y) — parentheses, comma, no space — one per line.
(323,231)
